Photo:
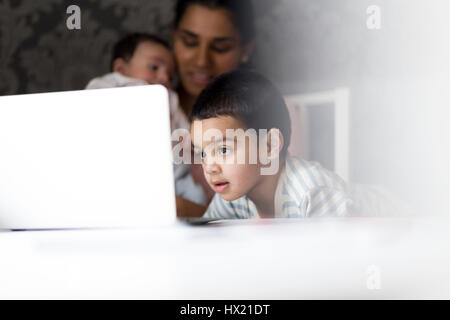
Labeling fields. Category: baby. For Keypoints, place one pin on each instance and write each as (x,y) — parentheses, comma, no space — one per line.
(139,58)
(142,59)
(241,131)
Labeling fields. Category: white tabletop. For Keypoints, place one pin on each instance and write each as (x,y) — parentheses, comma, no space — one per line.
(366,258)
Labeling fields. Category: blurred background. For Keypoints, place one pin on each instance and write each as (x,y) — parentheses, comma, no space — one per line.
(396,76)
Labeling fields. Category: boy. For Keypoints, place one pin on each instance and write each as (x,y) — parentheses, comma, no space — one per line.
(142,59)
(245,102)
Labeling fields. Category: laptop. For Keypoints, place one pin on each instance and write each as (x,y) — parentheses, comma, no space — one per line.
(86,159)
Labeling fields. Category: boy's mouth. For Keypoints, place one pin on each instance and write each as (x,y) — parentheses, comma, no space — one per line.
(220,186)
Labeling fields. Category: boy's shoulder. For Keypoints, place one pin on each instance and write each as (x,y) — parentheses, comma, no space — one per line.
(306,176)
(306,188)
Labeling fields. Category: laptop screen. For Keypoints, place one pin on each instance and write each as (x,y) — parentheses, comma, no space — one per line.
(93,158)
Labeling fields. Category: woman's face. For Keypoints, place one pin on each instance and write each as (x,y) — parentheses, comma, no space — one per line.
(206,44)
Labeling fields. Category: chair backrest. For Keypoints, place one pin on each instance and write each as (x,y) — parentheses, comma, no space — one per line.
(307,109)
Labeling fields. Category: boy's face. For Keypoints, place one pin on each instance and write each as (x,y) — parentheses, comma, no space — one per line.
(150,62)
(226,175)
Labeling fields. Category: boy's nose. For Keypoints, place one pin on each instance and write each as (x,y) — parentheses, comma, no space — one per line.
(211,167)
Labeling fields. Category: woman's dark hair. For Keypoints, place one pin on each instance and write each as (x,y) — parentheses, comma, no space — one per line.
(240,10)
(126,46)
(247,96)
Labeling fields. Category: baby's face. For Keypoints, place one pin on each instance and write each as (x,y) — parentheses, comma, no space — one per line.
(225,173)
(152,63)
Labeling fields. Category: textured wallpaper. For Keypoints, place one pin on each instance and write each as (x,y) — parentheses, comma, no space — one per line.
(38,53)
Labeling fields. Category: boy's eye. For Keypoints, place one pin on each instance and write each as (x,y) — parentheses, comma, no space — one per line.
(224,150)
(153,67)
(200,154)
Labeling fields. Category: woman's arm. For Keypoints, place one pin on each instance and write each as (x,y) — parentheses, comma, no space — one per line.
(186,208)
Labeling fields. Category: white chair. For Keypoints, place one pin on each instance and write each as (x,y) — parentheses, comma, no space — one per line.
(340,99)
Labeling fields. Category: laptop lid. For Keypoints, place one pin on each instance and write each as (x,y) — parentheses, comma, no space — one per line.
(92,158)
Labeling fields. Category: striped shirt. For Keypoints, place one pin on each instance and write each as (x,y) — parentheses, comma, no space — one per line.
(304,189)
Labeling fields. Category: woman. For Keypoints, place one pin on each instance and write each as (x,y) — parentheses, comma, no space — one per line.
(210,37)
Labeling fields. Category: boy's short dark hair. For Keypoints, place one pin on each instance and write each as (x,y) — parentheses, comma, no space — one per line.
(247,96)
(126,46)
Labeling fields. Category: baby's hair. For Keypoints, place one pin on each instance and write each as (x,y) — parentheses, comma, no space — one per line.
(247,96)
(241,11)
(126,46)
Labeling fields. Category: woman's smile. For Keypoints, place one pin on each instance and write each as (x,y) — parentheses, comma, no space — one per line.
(200,78)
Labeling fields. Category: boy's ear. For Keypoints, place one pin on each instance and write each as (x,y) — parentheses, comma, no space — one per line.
(275,143)
(120,66)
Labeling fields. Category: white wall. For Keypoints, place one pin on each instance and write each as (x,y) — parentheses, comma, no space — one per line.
(399,78)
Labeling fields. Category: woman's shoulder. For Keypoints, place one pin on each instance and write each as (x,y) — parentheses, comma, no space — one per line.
(179,119)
